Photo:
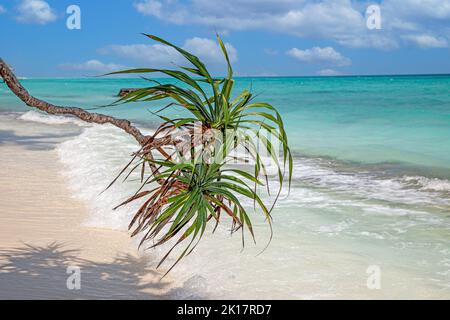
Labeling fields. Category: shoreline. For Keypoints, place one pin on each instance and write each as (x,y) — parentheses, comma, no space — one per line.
(43,229)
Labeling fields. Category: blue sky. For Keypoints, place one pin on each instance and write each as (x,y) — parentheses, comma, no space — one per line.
(264,37)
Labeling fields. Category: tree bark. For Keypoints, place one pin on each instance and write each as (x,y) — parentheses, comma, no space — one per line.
(147,143)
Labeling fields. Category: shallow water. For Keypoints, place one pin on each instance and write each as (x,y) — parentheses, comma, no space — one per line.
(371,187)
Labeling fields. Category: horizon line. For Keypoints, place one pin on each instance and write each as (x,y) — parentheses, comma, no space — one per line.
(254,76)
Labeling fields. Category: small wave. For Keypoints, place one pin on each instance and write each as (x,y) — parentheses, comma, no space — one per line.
(326,175)
(372,235)
(92,160)
(335,229)
(36,116)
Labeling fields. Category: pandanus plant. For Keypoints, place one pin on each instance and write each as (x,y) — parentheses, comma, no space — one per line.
(190,182)
(180,197)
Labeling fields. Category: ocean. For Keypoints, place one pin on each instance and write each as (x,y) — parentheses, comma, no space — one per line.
(370,194)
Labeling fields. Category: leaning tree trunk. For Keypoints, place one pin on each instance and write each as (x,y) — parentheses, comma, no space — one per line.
(15,86)
(147,142)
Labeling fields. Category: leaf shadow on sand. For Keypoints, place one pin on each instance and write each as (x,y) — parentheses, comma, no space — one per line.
(40,272)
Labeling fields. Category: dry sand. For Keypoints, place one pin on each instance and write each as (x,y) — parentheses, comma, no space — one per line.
(42,231)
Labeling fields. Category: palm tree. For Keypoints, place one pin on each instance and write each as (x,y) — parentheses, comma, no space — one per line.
(190,181)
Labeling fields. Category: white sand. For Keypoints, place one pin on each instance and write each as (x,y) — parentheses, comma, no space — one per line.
(42,231)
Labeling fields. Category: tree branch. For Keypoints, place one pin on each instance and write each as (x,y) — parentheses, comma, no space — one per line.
(148,143)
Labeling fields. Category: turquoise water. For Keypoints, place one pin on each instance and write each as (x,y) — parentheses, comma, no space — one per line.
(371,185)
(403,119)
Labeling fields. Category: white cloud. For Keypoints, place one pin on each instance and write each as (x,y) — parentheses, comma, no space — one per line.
(425,9)
(92,65)
(328,72)
(341,21)
(209,50)
(326,55)
(328,18)
(160,10)
(143,53)
(149,7)
(157,54)
(2,9)
(427,41)
(35,11)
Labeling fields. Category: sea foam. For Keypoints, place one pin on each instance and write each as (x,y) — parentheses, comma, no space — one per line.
(92,160)
(430,184)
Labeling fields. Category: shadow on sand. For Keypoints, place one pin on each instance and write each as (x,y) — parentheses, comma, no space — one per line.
(33,272)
